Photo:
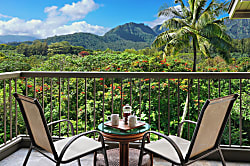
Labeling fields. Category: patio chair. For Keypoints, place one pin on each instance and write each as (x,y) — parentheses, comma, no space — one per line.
(64,150)
(205,140)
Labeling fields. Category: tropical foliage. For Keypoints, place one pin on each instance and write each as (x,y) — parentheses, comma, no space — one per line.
(197,23)
(82,113)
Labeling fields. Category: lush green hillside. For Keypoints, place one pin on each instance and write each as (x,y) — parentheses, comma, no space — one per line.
(15,38)
(87,40)
(133,32)
(130,35)
(238,29)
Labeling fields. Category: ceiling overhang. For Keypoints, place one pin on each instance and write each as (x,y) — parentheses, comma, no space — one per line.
(239,9)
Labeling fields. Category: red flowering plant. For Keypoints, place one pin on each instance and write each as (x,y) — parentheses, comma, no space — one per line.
(83,53)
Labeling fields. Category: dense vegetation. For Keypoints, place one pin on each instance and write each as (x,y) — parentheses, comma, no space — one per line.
(61,57)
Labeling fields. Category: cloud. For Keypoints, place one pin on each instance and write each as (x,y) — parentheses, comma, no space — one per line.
(59,21)
(4,16)
(79,10)
(162,19)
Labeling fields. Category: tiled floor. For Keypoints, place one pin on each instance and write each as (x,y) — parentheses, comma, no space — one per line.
(36,159)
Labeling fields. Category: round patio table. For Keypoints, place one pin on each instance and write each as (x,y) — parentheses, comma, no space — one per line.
(123,137)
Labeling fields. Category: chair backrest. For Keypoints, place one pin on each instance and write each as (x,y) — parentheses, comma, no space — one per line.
(35,122)
(210,125)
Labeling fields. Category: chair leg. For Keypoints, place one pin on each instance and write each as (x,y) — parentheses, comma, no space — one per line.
(222,158)
(94,161)
(140,157)
(27,156)
(105,156)
(79,162)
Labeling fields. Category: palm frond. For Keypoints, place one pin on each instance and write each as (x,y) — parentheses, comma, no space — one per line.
(209,7)
(174,23)
(215,30)
(198,8)
(184,8)
(203,20)
(176,45)
(191,5)
(170,12)
(204,45)
(162,39)
(219,8)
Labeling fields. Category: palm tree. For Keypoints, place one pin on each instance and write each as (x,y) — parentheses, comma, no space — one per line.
(196,25)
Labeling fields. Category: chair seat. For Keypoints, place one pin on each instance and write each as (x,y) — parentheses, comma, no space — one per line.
(163,148)
(80,146)
(113,158)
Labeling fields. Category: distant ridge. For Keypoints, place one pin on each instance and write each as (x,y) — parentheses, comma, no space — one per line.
(238,29)
(15,38)
(132,35)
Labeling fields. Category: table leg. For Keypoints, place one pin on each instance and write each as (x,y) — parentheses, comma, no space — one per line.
(124,153)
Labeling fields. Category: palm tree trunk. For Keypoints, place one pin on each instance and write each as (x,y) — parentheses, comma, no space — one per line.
(191,82)
(194,48)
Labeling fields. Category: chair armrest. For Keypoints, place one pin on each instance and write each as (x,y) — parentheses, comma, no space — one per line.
(74,138)
(180,125)
(177,149)
(63,120)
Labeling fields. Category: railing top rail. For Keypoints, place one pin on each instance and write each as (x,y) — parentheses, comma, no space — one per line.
(184,75)
(8,75)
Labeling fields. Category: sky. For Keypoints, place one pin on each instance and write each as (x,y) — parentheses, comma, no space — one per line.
(45,18)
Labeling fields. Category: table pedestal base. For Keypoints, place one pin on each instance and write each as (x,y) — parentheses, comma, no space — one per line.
(113,158)
(124,153)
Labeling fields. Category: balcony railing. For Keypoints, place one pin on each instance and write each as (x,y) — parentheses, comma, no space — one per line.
(86,98)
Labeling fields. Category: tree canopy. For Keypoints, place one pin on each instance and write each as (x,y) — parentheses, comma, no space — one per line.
(196,25)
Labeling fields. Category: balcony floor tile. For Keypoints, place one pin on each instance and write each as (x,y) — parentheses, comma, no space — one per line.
(16,159)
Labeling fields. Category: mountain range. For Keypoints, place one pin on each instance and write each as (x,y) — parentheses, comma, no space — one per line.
(133,35)
(15,38)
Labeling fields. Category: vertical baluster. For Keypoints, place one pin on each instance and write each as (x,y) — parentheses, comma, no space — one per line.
(10,108)
(59,101)
(159,106)
(229,118)
(178,101)
(76,105)
(26,87)
(16,109)
(209,88)
(103,93)
(168,106)
(140,97)
(149,101)
(131,91)
(34,87)
(198,97)
(43,93)
(188,108)
(219,87)
(240,112)
(68,106)
(85,104)
(121,99)
(4,109)
(51,103)
(112,98)
(94,94)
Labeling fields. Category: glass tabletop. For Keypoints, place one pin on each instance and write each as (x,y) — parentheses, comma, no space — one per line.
(111,130)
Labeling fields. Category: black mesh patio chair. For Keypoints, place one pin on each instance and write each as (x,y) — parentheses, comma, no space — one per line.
(205,140)
(64,150)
